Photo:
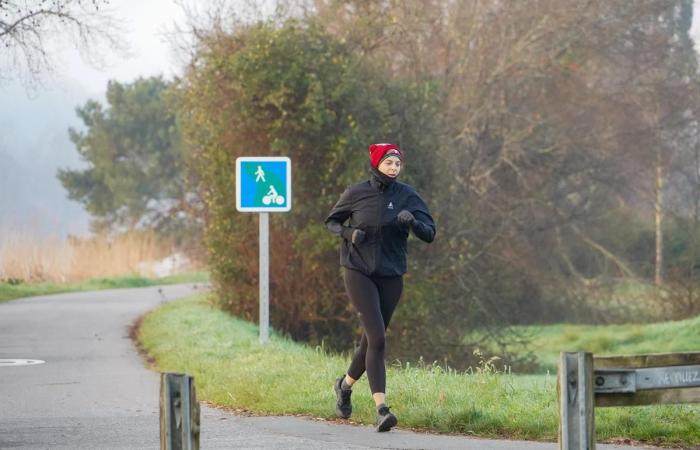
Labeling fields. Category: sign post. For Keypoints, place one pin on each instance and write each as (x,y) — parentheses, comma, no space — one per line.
(264,277)
(264,185)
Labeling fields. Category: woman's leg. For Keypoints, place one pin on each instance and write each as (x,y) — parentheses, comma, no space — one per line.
(364,295)
(388,290)
(357,365)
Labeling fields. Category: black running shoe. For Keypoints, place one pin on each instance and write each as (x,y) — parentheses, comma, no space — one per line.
(343,407)
(385,419)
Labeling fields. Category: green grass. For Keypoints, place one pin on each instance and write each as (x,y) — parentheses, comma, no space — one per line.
(10,291)
(547,341)
(232,369)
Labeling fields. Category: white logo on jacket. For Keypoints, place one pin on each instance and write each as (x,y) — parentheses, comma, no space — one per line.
(391,206)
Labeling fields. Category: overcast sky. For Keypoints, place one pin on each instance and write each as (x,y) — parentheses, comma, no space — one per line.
(34,124)
(145,22)
(33,131)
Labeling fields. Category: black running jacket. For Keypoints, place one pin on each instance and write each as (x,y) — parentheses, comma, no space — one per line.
(372,206)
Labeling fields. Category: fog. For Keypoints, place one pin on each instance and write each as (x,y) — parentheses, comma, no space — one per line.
(34,121)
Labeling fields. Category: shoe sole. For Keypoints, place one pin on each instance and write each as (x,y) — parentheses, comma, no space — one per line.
(338,412)
(387,424)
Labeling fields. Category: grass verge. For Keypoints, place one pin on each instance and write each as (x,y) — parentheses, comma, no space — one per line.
(545,342)
(233,370)
(11,291)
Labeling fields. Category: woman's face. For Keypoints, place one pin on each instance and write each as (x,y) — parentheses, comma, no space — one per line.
(390,166)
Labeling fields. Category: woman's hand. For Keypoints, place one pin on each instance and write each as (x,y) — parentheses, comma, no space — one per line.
(405,217)
(358,236)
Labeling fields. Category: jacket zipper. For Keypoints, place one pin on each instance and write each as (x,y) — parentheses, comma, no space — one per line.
(380,216)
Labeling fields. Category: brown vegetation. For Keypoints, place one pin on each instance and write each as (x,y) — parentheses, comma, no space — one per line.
(32,258)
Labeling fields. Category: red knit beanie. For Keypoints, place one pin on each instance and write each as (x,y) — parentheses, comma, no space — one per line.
(379,152)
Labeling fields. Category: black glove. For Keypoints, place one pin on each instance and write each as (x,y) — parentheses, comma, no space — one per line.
(405,217)
(358,236)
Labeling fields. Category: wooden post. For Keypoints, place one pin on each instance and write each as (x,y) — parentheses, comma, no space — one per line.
(179,412)
(575,392)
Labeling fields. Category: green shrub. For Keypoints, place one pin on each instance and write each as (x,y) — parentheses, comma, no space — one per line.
(292,90)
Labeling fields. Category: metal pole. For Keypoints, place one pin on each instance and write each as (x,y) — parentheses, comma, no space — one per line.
(568,436)
(576,422)
(186,406)
(264,276)
(179,412)
(585,401)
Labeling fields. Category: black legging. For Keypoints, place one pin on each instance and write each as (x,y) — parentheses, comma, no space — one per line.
(375,298)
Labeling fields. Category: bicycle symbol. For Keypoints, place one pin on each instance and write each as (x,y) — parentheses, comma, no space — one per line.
(273,197)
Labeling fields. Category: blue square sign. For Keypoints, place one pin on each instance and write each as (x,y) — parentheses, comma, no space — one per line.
(263,184)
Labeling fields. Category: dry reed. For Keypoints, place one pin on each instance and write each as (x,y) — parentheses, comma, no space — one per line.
(33,258)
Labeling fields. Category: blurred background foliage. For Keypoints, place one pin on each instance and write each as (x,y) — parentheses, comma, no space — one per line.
(556,143)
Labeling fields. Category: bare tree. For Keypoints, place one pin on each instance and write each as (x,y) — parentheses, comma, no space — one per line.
(29,31)
(555,109)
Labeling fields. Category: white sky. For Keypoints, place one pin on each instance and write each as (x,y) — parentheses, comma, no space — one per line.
(145,22)
(695,27)
(34,124)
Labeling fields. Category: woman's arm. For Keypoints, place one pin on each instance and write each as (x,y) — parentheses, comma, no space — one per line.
(423,225)
(339,214)
(339,229)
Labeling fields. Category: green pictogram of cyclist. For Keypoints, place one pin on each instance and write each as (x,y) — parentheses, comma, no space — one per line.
(272,197)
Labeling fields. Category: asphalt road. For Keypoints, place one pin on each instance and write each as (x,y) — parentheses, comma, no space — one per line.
(95,392)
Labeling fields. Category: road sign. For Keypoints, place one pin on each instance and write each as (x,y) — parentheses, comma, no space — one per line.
(263,184)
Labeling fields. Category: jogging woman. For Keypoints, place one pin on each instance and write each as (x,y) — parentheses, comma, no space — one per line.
(374,218)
